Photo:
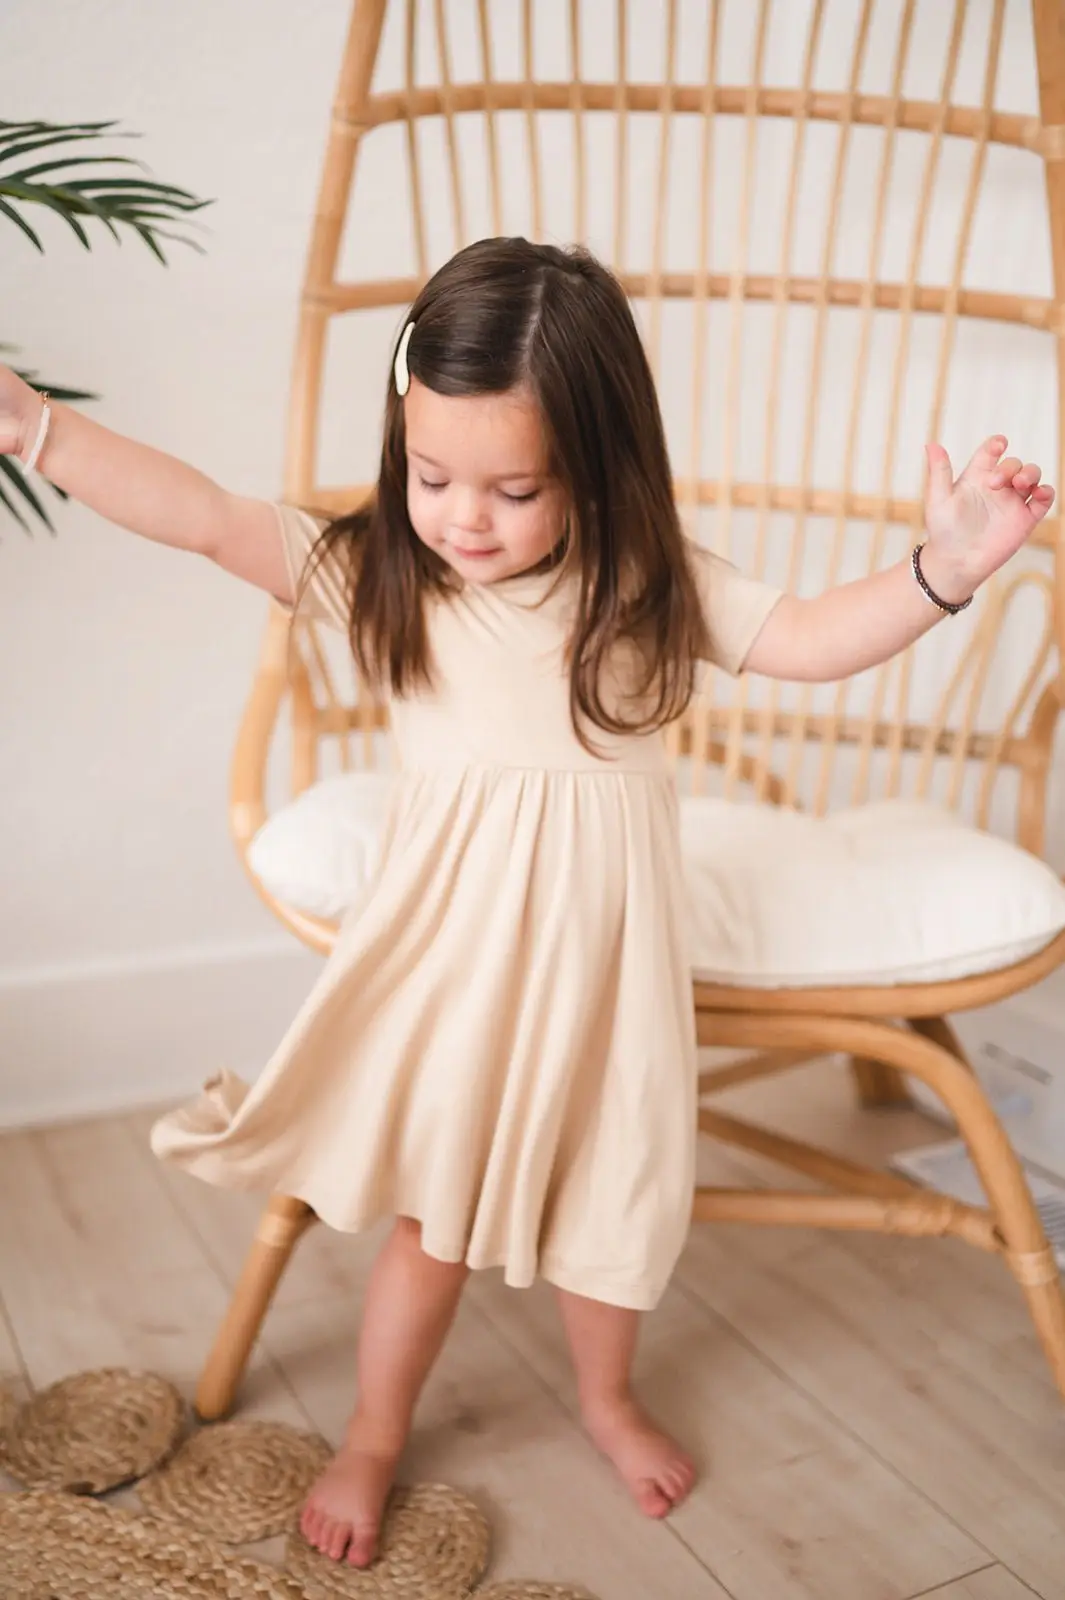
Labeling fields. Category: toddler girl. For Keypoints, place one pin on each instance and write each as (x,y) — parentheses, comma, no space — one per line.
(500,1053)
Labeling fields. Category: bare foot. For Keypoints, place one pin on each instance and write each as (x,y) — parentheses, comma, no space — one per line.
(653,1467)
(342,1513)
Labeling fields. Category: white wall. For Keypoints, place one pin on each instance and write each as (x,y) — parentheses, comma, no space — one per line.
(124,666)
(134,958)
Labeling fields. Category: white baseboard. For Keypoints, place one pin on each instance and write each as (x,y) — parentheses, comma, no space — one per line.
(89,1038)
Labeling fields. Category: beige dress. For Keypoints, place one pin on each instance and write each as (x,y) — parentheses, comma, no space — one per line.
(502,1043)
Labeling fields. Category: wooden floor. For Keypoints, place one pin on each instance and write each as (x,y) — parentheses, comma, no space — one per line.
(872,1417)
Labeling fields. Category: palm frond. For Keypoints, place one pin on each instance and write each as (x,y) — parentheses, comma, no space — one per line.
(61,184)
(42,164)
(9,211)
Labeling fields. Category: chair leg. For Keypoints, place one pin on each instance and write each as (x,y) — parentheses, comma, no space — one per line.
(880,1088)
(1037,1274)
(1027,1253)
(280,1226)
(1024,1241)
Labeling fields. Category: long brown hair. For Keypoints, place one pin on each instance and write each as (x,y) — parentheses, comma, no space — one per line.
(504,313)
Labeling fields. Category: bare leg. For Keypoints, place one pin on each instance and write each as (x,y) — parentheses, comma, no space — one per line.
(411,1301)
(602,1340)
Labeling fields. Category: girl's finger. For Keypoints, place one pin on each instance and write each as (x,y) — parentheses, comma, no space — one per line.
(1005,471)
(940,473)
(985,457)
(1040,502)
(1027,478)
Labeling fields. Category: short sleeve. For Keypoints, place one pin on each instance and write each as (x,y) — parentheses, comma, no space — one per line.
(735,606)
(325,597)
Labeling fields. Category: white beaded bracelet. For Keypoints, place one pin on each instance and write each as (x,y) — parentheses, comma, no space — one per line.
(42,435)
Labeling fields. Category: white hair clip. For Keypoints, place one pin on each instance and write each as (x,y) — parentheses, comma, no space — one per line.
(401,370)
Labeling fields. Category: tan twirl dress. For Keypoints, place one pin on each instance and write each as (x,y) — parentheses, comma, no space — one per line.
(502,1043)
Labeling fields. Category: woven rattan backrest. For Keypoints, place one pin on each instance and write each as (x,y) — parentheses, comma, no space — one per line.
(842,226)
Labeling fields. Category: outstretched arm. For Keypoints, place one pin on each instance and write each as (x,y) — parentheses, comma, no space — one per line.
(144,490)
(973,526)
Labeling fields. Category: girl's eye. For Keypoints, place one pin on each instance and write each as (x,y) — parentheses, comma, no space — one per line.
(520,499)
(427,484)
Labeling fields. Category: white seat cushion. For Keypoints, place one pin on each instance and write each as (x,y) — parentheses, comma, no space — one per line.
(320,851)
(893,892)
(896,891)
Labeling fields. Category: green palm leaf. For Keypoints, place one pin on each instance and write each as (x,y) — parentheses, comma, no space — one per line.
(42,165)
(61,184)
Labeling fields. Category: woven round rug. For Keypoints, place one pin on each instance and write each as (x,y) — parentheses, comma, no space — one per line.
(93,1431)
(434,1546)
(532,1591)
(56,1546)
(238,1481)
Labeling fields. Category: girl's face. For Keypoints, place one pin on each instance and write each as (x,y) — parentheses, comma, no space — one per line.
(479,489)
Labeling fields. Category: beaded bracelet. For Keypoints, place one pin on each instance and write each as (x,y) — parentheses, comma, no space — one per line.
(42,434)
(950,607)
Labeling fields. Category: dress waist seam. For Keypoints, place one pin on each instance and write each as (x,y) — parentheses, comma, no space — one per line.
(489,768)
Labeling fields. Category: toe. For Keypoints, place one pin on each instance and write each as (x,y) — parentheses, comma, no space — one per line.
(650,1499)
(363,1546)
(677,1481)
(337,1536)
(309,1524)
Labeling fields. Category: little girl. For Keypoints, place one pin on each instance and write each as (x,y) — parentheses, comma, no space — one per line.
(500,1054)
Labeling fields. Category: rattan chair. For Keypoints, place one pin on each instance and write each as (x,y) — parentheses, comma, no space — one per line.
(718,173)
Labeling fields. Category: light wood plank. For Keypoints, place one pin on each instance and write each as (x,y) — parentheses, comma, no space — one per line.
(795,1503)
(789,1506)
(993,1583)
(921,1349)
(99,1269)
(14,1381)
(13,1376)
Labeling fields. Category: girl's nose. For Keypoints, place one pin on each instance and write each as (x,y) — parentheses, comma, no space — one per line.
(471,511)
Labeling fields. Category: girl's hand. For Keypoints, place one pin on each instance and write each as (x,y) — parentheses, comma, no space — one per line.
(976,524)
(20,408)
